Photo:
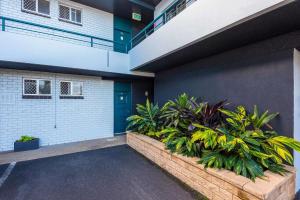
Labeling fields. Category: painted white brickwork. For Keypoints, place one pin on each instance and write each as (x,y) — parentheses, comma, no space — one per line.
(95,22)
(54,120)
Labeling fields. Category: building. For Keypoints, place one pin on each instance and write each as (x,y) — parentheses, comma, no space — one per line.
(65,74)
(74,70)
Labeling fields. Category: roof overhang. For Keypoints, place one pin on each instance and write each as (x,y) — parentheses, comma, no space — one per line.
(123,8)
(65,70)
(271,24)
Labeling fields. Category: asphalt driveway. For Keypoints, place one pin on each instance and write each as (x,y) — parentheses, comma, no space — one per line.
(2,169)
(116,173)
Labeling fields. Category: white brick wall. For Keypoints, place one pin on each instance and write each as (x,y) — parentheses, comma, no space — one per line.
(75,119)
(94,22)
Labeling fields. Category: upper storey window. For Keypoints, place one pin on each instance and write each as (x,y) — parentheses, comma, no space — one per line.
(41,7)
(175,9)
(70,14)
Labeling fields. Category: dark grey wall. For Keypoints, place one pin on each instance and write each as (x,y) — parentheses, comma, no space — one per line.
(261,74)
(137,27)
(139,87)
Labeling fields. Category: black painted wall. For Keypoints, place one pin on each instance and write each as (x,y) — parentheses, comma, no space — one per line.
(139,87)
(261,74)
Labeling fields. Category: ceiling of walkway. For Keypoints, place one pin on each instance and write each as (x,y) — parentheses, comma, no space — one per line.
(123,8)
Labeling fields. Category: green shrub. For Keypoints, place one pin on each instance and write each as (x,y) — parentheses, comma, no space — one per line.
(181,110)
(147,121)
(240,141)
(26,138)
(177,118)
(180,116)
(246,144)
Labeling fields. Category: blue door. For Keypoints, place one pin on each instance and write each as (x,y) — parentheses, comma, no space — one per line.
(122,34)
(122,106)
(121,39)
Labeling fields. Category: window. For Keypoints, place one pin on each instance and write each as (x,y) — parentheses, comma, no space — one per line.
(71,88)
(69,14)
(36,87)
(175,9)
(41,7)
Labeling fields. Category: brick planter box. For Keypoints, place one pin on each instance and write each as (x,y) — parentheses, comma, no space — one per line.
(213,183)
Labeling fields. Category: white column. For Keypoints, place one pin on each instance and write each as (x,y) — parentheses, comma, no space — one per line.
(297,111)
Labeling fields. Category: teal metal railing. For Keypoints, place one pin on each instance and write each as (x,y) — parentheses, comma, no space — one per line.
(38,30)
(171,11)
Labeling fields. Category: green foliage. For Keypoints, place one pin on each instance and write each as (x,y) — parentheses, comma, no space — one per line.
(210,115)
(177,140)
(188,110)
(180,116)
(26,138)
(245,145)
(182,110)
(236,140)
(147,121)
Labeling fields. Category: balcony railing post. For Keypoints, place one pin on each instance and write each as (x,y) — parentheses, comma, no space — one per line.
(92,42)
(3,24)
(164,18)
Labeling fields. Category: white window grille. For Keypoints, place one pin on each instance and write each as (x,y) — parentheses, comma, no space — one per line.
(36,87)
(175,9)
(71,88)
(70,14)
(41,7)
(64,12)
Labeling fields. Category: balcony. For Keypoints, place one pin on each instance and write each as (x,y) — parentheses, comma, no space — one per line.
(170,12)
(48,48)
(203,28)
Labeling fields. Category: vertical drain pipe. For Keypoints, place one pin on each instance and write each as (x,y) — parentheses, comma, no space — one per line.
(55,103)
(108,58)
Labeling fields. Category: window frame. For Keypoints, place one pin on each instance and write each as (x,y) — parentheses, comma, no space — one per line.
(71,85)
(70,14)
(36,12)
(37,87)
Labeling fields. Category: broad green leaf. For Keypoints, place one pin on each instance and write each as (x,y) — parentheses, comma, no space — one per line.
(290,142)
(260,155)
(281,150)
(198,135)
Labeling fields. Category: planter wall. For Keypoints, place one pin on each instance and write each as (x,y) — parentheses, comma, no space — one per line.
(25,146)
(213,183)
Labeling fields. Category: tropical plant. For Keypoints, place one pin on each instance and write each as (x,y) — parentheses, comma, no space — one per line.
(26,138)
(240,141)
(179,140)
(180,115)
(183,109)
(210,115)
(246,144)
(148,119)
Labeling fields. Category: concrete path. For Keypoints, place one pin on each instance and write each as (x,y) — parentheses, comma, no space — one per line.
(114,173)
(61,149)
